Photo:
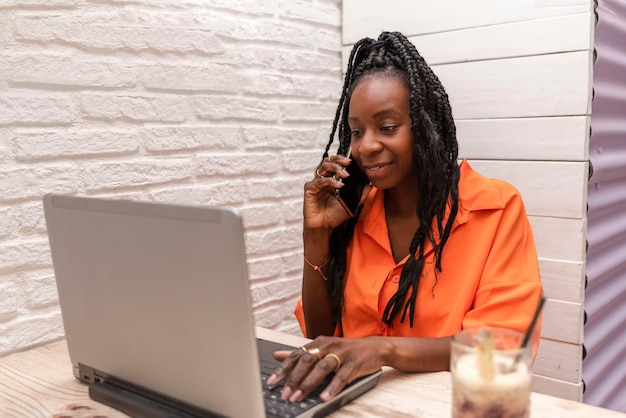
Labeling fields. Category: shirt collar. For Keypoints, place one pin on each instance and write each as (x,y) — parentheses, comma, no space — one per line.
(474,194)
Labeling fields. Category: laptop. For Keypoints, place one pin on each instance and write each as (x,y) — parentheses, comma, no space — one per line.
(156,308)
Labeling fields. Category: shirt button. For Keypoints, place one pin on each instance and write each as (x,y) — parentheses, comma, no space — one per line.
(382,328)
(396,278)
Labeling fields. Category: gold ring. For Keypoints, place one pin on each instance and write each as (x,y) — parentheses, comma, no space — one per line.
(329,158)
(318,173)
(315,351)
(303,348)
(336,357)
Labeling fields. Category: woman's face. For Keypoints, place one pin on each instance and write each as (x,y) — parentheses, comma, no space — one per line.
(380,124)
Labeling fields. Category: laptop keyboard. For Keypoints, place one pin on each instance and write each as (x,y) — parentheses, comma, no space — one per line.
(274,406)
(277,408)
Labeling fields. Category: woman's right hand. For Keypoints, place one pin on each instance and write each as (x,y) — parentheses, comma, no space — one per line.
(321,209)
(305,368)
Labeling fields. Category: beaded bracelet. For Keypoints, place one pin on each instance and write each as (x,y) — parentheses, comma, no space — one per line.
(317,268)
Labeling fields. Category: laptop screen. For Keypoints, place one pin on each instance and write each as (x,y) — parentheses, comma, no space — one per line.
(157,295)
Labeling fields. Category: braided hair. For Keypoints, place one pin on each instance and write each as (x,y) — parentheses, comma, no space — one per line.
(435,158)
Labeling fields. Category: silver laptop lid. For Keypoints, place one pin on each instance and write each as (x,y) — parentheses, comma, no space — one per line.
(157,294)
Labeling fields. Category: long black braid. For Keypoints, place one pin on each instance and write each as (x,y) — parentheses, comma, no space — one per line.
(435,157)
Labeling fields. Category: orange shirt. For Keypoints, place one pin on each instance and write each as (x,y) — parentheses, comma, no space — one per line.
(490,272)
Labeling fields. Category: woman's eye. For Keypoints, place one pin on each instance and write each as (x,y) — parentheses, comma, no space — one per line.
(389,128)
(355,132)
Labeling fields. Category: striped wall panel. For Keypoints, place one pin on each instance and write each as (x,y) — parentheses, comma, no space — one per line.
(604,368)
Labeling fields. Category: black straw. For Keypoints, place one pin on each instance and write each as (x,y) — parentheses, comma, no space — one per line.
(530,329)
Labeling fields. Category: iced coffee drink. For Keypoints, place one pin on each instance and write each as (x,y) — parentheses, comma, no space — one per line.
(491,374)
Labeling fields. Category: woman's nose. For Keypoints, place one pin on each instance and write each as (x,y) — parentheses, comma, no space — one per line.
(369,143)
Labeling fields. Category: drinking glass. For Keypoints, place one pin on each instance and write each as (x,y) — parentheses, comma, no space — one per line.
(491,374)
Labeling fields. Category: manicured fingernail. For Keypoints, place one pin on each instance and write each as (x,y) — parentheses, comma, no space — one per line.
(296,396)
(284,395)
(325,395)
(271,380)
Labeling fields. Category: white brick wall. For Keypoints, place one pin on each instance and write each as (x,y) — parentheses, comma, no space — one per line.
(219,102)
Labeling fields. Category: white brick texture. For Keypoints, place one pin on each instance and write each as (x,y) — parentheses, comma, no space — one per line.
(219,102)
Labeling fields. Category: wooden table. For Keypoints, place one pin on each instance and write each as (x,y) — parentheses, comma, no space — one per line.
(40,383)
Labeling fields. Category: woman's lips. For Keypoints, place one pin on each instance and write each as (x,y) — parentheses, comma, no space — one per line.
(376,170)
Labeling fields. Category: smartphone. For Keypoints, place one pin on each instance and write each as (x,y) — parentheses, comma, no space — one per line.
(350,194)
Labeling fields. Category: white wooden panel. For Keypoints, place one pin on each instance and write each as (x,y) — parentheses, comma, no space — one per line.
(544,85)
(559,238)
(563,280)
(559,138)
(562,321)
(548,188)
(533,37)
(558,388)
(559,360)
(417,17)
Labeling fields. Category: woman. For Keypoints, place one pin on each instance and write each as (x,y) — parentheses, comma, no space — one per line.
(434,247)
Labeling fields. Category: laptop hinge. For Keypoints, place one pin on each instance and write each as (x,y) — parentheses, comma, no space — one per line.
(136,401)
(86,373)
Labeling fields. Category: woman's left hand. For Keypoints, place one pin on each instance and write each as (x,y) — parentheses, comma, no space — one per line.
(306,367)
